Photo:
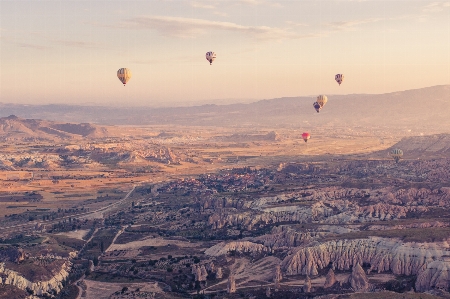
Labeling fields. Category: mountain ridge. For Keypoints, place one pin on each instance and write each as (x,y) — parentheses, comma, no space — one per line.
(418,109)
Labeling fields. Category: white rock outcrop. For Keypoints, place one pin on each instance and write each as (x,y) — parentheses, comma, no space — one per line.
(382,255)
(278,275)
(41,287)
(358,279)
(435,276)
(231,286)
(331,205)
(239,246)
(284,237)
(307,285)
(199,272)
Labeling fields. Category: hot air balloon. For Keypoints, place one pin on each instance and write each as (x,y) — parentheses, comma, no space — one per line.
(396,154)
(339,78)
(210,56)
(320,102)
(124,75)
(306,136)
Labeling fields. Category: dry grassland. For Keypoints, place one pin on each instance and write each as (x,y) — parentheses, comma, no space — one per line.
(102,290)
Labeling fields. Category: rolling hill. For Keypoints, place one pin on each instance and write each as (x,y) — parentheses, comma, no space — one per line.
(425,110)
(15,128)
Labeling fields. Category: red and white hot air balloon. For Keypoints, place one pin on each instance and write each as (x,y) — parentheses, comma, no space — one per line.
(306,136)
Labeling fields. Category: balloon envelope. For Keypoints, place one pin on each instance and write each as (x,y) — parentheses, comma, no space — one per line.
(210,56)
(396,154)
(124,75)
(306,136)
(320,102)
(339,78)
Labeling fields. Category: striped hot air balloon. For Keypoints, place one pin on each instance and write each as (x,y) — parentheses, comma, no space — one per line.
(339,78)
(320,102)
(124,75)
(210,56)
(396,154)
(306,136)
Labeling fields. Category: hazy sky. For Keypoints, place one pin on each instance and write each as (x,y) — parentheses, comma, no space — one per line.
(69,51)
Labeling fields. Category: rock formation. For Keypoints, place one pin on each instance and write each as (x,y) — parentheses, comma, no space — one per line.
(278,276)
(239,246)
(382,254)
(358,279)
(12,254)
(199,272)
(250,219)
(203,273)
(330,279)
(210,267)
(219,274)
(231,286)
(40,288)
(435,276)
(332,205)
(284,237)
(307,285)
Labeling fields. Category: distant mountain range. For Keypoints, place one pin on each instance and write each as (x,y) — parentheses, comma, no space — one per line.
(425,109)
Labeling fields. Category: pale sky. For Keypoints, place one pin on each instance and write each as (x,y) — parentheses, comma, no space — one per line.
(69,51)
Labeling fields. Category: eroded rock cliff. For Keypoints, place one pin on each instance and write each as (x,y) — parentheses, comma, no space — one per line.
(40,287)
(358,279)
(382,255)
(239,246)
(435,276)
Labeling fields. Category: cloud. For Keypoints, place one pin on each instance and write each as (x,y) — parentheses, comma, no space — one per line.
(220,13)
(198,4)
(435,6)
(251,2)
(276,5)
(295,24)
(77,44)
(350,25)
(190,27)
(270,3)
(32,46)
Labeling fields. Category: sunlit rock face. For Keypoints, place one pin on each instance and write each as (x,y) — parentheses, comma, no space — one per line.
(239,246)
(358,279)
(40,288)
(435,276)
(382,255)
